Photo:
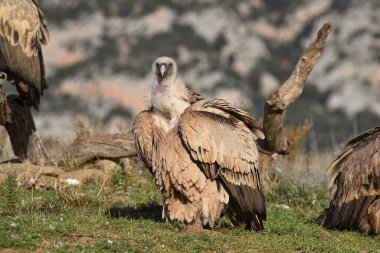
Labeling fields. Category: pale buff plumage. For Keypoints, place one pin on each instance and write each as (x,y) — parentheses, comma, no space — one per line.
(22,31)
(202,153)
(354,180)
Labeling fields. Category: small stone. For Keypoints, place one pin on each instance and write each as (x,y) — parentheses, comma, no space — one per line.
(72,181)
(283,206)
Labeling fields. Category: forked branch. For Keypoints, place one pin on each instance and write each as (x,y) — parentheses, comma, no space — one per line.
(275,105)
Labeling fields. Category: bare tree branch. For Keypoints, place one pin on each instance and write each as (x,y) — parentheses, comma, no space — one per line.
(276,104)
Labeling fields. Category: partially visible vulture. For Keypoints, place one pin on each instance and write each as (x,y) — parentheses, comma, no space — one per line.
(354,179)
(201,152)
(22,31)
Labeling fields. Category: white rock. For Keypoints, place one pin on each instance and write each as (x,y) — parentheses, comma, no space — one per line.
(72,181)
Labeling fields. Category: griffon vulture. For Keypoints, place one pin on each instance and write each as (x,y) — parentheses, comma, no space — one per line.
(201,152)
(22,31)
(354,179)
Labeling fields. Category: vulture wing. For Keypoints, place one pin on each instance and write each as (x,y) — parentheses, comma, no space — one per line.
(221,139)
(22,31)
(142,130)
(354,179)
(147,138)
(182,182)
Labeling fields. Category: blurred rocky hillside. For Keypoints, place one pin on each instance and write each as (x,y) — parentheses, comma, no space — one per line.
(99,60)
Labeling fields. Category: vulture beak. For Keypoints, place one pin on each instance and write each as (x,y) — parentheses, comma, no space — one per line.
(162,70)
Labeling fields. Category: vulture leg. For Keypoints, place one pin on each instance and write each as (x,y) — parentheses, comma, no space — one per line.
(195,226)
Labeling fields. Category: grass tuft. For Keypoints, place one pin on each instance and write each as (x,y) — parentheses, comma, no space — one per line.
(10,193)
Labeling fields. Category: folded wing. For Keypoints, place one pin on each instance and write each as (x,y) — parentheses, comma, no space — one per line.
(221,139)
(354,180)
(148,138)
(22,31)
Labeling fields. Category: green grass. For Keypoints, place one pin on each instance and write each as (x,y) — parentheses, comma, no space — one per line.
(124,216)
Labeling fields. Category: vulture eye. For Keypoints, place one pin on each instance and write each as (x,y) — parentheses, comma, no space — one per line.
(157,67)
(170,66)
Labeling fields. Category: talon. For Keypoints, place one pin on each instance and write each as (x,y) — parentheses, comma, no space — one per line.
(3,75)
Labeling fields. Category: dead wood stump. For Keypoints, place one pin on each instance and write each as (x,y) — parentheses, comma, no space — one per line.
(98,145)
(19,123)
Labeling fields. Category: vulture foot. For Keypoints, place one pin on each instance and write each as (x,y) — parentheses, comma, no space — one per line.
(196,226)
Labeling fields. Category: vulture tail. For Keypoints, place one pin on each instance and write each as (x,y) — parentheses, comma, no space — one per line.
(321,218)
(36,89)
(246,207)
(34,98)
(347,216)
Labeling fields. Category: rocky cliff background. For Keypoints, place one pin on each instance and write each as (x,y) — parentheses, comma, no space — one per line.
(99,60)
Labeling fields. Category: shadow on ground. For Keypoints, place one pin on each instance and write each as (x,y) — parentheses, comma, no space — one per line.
(151,211)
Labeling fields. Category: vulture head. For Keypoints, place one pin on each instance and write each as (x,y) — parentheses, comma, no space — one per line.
(170,96)
(165,70)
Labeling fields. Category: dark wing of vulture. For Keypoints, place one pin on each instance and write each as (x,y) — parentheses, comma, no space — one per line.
(22,31)
(354,180)
(221,139)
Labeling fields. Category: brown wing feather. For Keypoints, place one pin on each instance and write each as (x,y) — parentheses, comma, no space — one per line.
(147,140)
(373,218)
(190,192)
(22,31)
(194,96)
(357,168)
(23,23)
(142,130)
(243,116)
(354,179)
(218,138)
(183,184)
